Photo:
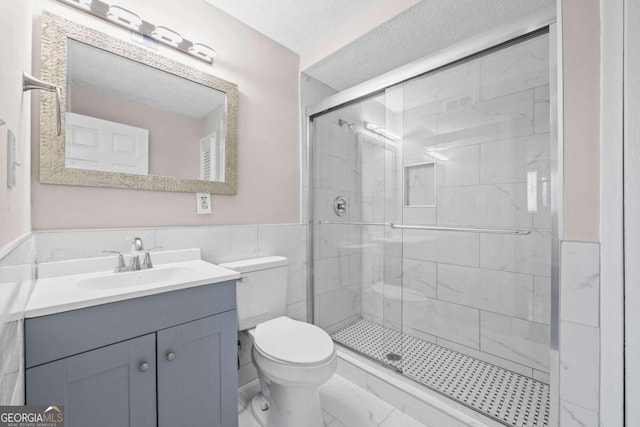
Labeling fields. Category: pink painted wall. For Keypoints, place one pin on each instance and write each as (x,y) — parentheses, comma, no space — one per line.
(268,159)
(171,136)
(581,45)
(15,54)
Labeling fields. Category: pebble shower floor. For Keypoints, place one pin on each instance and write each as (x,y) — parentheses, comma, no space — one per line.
(503,395)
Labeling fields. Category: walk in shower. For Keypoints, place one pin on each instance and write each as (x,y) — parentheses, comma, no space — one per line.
(431,212)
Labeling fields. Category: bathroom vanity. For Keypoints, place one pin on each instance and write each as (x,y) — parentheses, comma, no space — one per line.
(163,354)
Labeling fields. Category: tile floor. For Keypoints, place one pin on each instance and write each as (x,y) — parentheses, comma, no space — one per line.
(344,404)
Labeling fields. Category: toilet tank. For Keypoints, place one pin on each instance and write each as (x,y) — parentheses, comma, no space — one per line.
(261,293)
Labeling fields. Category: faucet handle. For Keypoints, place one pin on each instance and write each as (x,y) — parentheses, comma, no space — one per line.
(121,264)
(147,258)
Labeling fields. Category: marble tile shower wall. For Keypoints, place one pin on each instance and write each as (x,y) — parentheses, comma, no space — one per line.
(486,295)
(218,244)
(349,163)
(579,333)
(17,277)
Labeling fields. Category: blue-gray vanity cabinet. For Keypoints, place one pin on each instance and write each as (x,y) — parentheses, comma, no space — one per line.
(194,373)
(167,360)
(106,387)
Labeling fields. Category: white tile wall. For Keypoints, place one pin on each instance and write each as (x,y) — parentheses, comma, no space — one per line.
(451,321)
(499,205)
(515,69)
(580,365)
(417,215)
(519,254)
(541,109)
(462,166)
(574,416)
(72,244)
(580,283)
(438,246)
(17,277)
(518,340)
(336,306)
(501,292)
(542,299)
(579,333)
(419,276)
(509,116)
(509,161)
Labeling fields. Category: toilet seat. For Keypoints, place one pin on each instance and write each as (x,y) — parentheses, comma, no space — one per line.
(292,342)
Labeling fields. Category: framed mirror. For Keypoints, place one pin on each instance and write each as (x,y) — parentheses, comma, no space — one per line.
(132,118)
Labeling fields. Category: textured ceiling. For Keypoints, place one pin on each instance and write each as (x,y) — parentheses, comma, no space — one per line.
(423,29)
(98,70)
(297,24)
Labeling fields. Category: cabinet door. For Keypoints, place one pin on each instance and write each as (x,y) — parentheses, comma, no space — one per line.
(198,373)
(105,387)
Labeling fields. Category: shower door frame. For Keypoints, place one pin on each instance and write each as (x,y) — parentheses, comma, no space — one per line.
(545,18)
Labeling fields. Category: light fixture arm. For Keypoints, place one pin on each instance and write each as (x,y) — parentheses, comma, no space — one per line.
(30,83)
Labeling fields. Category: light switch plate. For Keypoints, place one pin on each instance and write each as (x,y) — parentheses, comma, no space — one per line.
(11,159)
(203,203)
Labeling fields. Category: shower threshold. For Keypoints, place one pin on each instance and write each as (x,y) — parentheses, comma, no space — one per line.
(505,396)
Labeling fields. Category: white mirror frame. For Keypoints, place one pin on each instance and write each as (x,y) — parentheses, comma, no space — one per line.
(55,32)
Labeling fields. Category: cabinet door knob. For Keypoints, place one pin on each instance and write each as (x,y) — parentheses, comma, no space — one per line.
(144,367)
(171,356)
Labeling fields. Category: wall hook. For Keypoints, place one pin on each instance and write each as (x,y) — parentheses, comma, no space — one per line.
(30,83)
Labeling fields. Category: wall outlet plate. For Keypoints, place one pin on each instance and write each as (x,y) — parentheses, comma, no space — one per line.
(203,203)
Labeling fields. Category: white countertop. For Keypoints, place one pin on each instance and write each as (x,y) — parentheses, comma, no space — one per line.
(57,290)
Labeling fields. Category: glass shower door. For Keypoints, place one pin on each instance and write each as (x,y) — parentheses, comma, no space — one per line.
(357,261)
(477,236)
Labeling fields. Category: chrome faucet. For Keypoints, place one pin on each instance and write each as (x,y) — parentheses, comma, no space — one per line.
(134,263)
(136,246)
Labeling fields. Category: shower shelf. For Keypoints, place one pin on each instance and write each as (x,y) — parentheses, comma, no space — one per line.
(516,231)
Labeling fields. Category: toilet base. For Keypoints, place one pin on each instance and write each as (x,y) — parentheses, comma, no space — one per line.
(289,407)
(259,409)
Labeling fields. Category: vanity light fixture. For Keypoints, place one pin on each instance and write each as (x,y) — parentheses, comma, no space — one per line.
(167,36)
(132,21)
(124,17)
(375,128)
(202,51)
(80,4)
(433,153)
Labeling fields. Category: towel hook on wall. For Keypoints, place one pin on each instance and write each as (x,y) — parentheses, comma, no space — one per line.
(30,83)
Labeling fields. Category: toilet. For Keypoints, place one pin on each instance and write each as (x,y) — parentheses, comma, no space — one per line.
(292,358)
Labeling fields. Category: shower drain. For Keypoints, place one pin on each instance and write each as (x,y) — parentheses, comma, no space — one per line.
(393,357)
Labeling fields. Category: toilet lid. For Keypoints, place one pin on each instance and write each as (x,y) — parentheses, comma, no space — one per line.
(293,342)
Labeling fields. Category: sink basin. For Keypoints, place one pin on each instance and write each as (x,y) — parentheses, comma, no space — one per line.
(132,279)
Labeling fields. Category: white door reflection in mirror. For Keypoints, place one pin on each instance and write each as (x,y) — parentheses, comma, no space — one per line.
(178,113)
(102,145)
